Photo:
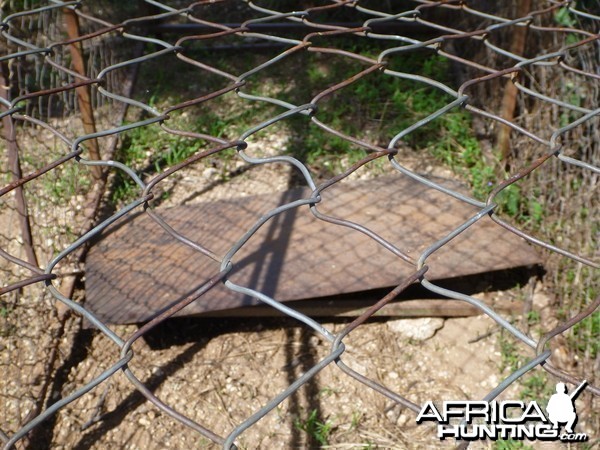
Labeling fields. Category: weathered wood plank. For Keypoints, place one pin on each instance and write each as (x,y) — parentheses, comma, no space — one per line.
(136,268)
(355,307)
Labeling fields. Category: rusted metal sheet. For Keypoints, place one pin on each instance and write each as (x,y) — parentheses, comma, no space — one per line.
(136,268)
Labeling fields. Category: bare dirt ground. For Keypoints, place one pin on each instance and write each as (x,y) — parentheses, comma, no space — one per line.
(220,372)
(220,377)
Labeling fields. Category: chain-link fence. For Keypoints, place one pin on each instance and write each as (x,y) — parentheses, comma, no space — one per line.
(70,111)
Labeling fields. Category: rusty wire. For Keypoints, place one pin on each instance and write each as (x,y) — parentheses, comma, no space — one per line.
(135,30)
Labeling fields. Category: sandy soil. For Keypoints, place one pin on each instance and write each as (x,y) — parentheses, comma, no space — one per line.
(220,372)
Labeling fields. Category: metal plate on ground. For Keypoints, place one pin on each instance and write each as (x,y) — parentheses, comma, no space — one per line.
(136,268)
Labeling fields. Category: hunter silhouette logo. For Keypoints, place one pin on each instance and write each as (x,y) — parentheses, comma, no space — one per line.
(561,407)
(517,420)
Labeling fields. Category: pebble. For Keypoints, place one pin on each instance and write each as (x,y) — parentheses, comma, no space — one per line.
(418,329)
(210,173)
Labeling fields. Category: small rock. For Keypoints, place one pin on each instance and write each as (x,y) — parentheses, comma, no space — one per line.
(210,173)
(403,419)
(419,329)
(392,416)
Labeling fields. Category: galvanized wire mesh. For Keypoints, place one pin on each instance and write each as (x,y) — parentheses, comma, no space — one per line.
(44,92)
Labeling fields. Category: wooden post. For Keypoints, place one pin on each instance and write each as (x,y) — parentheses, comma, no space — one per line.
(83,92)
(509,100)
(14,165)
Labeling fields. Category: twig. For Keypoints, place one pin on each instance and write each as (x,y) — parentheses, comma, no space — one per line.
(97,416)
